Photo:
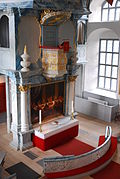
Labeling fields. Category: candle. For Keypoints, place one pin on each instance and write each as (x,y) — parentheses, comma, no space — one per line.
(72,107)
(25,49)
(40,117)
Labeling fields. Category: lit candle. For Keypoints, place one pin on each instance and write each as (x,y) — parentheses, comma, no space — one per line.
(40,117)
(25,49)
(72,107)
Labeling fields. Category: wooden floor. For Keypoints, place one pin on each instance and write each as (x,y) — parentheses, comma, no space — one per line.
(90,130)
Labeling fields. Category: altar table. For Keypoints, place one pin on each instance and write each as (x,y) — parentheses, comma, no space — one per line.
(55,133)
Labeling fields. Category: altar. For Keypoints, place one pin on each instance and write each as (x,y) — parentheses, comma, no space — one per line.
(55,133)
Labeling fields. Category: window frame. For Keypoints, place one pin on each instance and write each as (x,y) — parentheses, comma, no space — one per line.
(109,8)
(111,65)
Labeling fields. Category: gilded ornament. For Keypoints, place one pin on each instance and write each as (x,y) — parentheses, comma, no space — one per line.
(24,88)
(72,78)
(51,17)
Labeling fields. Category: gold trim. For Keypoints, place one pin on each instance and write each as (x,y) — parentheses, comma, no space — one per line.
(59,16)
(72,116)
(72,78)
(24,88)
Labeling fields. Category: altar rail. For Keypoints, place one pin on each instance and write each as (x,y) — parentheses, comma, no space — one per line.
(68,163)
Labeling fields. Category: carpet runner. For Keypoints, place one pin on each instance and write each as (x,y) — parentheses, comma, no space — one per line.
(112,171)
(73,147)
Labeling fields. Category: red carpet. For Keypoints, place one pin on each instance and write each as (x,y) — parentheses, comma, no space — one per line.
(76,147)
(112,171)
(73,147)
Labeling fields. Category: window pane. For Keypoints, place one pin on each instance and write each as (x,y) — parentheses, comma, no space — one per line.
(102,58)
(105,5)
(116,46)
(103,45)
(107,83)
(117,14)
(118,4)
(101,82)
(109,59)
(108,71)
(111,14)
(109,46)
(113,84)
(114,72)
(102,70)
(105,15)
(113,4)
(115,59)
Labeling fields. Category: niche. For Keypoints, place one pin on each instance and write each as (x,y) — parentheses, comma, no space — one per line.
(4,32)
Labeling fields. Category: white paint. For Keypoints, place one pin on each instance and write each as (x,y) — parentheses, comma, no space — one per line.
(25,63)
(7,55)
(24,116)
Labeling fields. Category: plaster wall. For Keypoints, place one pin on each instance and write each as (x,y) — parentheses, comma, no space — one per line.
(7,55)
(91,70)
(95,8)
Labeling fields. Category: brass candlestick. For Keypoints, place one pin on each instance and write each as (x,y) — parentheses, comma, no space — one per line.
(40,127)
(72,116)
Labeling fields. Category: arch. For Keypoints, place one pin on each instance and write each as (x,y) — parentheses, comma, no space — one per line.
(4,32)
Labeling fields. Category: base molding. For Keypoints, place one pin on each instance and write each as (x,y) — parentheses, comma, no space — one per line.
(25,140)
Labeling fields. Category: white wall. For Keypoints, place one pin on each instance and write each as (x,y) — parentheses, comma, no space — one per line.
(95,8)
(91,70)
(7,55)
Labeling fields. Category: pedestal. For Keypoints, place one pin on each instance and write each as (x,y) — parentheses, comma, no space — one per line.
(25,140)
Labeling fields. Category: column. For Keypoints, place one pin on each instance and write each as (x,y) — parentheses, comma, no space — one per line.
(71,92)
(15,124)
(24,106)
(8,105)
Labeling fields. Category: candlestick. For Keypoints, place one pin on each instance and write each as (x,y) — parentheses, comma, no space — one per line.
(40,117)
(25,49)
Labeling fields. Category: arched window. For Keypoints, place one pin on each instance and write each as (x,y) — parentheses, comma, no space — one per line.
(4,32)
(110,13)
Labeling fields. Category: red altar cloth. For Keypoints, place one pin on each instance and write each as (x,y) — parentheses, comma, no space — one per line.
(62,135)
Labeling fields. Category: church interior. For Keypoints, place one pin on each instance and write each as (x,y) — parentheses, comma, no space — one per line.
(59,89)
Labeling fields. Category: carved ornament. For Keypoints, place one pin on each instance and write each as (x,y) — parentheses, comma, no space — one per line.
(72,78)
(24,88)
(54,18)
